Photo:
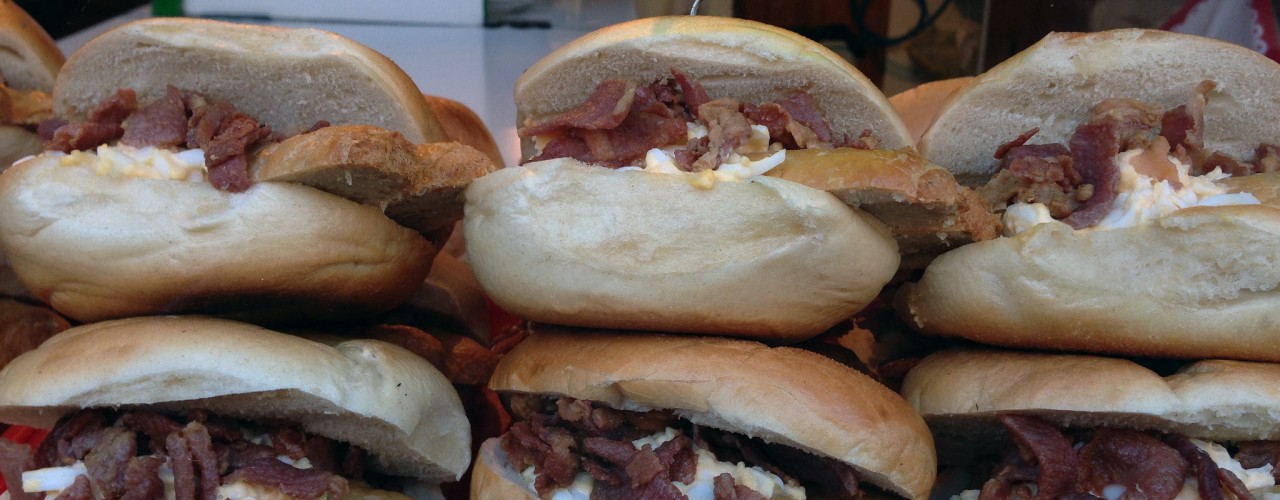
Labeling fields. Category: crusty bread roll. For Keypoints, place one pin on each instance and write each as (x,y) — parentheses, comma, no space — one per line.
(97,247)
(746,60)
(959,393)
(1198,283)
(371,394)
(920,104)
(286,78)
(1053,84)
(29,59)
(563,242)
(462,125)
(781,395)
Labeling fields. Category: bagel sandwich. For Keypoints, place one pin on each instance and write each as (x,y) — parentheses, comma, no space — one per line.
(1138,212)
(29,65)
(659,416)
(192,407)
(261,172)
(694,174)
(1038,425)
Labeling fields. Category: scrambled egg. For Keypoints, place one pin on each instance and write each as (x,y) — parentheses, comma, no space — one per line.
(148,163)
(1140,198)
(703,486)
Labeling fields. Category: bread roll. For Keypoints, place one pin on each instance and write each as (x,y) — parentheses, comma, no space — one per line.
(286,78)
(920,104)
(97,247)
(367,393)
(1053,84)
(1199,283)
(464,126)
(781,395)
(29,59)
(563,242)
(960,392)
(745,60)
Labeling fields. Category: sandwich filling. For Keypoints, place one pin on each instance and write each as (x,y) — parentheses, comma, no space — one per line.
(99,454)
(575,449)
(1129,164)
(170,133)
(672,126)
(1111,464)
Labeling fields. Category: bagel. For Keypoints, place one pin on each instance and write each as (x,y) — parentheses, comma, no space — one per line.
(799,406)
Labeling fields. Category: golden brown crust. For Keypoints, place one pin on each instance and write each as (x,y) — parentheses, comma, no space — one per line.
(781,395)
(920,104)
(464,126)
(921,203)
(416,185)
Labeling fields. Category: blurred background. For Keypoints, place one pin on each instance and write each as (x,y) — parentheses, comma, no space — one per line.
(897,43)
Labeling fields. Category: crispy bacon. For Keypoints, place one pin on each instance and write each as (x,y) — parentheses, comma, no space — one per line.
(799,106)
(694,95)
(15,458)
(1135,460)
(1043,444)
(604,109)
(162,123)
(1094,147)
(292,481)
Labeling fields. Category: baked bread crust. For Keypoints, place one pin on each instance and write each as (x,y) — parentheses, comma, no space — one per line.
(782,395)
(564,242)
(1053,84)
(286,78)
(1198,283)
(745,60)
(374,395)
(96,247)
(959,392)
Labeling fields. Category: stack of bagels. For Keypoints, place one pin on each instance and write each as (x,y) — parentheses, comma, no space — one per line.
(205,188)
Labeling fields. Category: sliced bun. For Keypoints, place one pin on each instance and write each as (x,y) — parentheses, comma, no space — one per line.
(736,58)
(781,395)
(417,185)
(97,247)
(960,392)
(368,393)
(286,78)
(1199,283)
(920,104)
(1053,84)
(464,126)
(563,242)
(29,59)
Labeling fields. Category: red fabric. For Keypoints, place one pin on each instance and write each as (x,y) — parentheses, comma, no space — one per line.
(1231,20)
(22,435)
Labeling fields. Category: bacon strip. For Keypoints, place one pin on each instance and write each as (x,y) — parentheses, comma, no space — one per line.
(1094,147)
(1042,442)
(604,109)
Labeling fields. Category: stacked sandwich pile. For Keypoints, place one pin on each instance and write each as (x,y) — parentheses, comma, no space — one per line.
(690,179)
(290,179)
(1135,171)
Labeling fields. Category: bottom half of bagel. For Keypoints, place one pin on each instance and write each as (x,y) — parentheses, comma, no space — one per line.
(661,416)
(1199,283)
(97,247)
(143,406)
(568,243)
(1071,424)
